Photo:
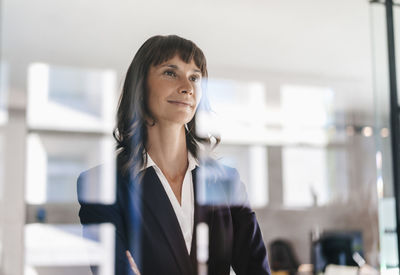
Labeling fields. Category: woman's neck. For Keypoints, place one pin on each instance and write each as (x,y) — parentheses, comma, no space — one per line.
(167,147)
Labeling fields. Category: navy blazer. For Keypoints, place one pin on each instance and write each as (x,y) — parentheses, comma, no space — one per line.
(147,226)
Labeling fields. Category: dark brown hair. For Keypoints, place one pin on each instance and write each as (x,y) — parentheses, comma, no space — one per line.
(130,131)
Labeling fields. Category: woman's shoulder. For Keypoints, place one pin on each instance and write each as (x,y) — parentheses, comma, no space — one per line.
(97,184)
(221,183)
(212,165)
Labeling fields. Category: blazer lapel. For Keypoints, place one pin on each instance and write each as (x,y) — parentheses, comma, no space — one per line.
(196,220)
(157,202)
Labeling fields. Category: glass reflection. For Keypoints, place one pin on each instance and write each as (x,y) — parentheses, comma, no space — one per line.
(82,99)
(4,90)
(252,165)
(244,133)
(60,249)
(307,150)
(59,147)
(4,117)
(306,112)
(300,187)
(54,161)
(2,181)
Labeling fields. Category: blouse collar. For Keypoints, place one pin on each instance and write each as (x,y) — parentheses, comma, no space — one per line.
(192,162)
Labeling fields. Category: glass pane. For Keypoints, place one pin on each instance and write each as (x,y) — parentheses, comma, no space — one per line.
(384,181)
(313,166)
(291,97)
(244,134)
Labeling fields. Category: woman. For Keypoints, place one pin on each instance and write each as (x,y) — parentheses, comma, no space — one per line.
(159,173)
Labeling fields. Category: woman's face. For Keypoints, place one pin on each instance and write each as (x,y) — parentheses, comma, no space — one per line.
(174,91)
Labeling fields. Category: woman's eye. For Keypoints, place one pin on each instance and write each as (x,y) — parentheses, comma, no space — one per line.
(194,78)
(170,73)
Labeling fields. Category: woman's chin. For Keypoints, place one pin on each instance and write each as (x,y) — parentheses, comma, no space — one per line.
(173,121)
(180,118)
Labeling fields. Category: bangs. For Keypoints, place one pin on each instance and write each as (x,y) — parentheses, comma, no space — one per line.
(166,47)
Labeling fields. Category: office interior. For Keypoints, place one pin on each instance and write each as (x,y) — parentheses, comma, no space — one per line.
(300,97)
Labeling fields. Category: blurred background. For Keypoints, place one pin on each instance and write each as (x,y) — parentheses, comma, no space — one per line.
(300,96)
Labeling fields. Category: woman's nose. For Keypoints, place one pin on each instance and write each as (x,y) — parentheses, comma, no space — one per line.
(186,87)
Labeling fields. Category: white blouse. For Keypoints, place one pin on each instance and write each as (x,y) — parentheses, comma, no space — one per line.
(184,212)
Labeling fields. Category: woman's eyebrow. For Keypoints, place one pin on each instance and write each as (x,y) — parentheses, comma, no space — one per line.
(170,66)
(173,66)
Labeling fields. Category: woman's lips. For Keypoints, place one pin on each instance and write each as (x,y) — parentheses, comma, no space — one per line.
(180,103)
